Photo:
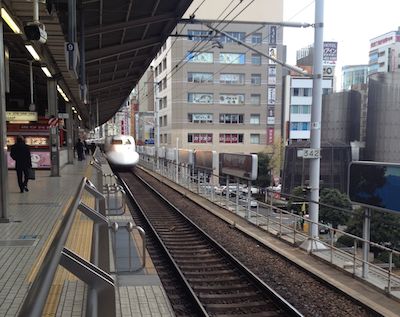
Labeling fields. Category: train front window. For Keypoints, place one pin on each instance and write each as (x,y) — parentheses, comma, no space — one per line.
(127,142)
(116,141)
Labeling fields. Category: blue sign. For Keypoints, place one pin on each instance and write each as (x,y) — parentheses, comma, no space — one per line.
(375,185)
(149,141)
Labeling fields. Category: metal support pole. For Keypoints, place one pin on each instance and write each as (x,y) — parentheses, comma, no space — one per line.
(366,237)
(316,124)
(54,139)
(248,199)
(227,190)
(3,136)
(237,195)
(70,148)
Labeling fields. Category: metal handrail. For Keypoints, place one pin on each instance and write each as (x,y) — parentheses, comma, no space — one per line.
(102,285)
(36,299)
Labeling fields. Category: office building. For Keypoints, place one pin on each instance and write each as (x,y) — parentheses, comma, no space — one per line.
(354,75)
(384,53)
(215,94)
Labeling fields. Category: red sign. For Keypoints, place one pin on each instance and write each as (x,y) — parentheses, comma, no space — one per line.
(270,135)
(53,122)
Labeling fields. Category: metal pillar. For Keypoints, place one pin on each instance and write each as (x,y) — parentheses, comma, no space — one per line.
(316,126)
(366,236)
(70,137)
(54,140)
(3,136)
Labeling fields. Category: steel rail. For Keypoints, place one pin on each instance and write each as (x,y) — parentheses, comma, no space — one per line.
(275,297)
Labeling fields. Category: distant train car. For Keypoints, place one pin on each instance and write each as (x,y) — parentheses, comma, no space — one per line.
(120,151)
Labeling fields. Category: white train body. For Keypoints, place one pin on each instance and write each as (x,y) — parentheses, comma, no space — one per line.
(120,151)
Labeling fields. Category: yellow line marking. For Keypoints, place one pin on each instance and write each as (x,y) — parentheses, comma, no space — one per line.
(35,268)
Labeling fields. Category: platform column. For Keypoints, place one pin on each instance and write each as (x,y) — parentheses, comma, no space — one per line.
(70,136)
(3,136)
(54,140)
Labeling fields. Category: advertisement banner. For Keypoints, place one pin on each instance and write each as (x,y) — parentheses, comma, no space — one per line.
(272,34)
(330,52)
(271,95)
(272,51)
(40,159)
(270,136)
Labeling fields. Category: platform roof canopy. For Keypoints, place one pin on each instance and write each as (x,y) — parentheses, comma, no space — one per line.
(121,38)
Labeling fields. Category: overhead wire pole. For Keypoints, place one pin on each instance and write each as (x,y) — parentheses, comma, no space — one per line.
(312,242)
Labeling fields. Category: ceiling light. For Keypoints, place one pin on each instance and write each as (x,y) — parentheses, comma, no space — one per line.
(79,117)
(31,50)
(46,71)
(73,108)
(62,93)
(10,22)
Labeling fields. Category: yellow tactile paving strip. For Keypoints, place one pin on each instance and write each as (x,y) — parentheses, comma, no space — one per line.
(79,241)
(150,269)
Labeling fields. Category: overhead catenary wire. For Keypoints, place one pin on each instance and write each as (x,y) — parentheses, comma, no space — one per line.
(227,65)
(177,67)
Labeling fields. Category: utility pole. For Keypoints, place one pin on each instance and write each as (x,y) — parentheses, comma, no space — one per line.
(312,242)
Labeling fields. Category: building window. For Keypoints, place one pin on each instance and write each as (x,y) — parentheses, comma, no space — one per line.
(255,99)
(256,79)
(254,119)
(231,99)
(164,102)
(296,92)
(231,79)
(195,97)
(327,91)
(307,92)
(198,57)
(254,139)
(300,126)
(256,38)
(200,137)
(200,77)
(256,59)
(232,58)
(164,63)
(198,35)
(240,36)
(234,118)
(230,138)
(200,117)
(165,120)
(301,109)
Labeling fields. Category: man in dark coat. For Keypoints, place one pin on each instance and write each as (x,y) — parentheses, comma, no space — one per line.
(21,154)
(79,149)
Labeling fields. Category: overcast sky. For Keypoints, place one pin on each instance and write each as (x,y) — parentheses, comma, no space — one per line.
(352,23)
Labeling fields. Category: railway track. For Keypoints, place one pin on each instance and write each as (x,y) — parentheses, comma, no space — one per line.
(214,282)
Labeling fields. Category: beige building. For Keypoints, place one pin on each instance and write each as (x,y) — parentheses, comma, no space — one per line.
(215,94)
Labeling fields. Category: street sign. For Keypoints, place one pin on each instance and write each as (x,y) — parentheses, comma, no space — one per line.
(311,153)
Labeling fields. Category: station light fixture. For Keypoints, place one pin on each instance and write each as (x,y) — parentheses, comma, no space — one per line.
(32,51)
(79,117)
(73,108)
(10,22)
(62,93)
(46,71)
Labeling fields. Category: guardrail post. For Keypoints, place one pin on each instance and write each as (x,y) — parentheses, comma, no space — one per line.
(354,256)
(390,272)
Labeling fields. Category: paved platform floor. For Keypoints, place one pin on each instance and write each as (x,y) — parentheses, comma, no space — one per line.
(34,217)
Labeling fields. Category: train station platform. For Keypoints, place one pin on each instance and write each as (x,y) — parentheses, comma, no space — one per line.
(35,217)
(369,293)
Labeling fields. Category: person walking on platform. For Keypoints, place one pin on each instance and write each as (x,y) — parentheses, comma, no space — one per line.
(79,149)
(21,154)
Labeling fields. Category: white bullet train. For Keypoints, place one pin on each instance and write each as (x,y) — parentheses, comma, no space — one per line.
(120,151)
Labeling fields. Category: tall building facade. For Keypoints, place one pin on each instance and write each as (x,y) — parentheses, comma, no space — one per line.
(354,75)
(215,94)
(384,53)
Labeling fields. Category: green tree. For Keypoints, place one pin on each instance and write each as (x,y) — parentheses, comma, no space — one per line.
(264,177)
(334,198)
(385,228)
(300,196)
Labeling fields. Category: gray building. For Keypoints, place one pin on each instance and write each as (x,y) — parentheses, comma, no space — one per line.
(214,94)
(340,119)
(383,129)
(354,75)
